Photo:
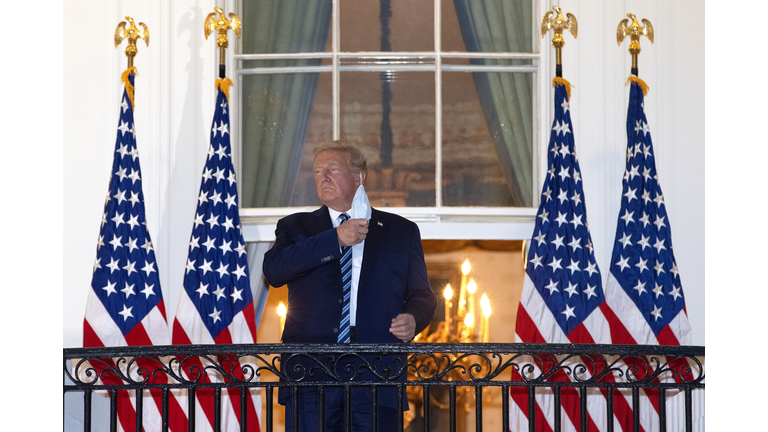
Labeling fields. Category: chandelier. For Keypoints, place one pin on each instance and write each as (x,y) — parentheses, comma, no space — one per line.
(461,325)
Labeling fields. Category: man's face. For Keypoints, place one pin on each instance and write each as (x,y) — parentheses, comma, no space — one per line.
(336,180)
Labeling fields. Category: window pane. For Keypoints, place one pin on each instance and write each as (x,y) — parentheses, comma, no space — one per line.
(401,156)
(486,26)
(411,25)
(283,117)
(286,26)
(487,139)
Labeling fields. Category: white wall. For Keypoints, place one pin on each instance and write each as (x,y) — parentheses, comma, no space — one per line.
(673,68)
(174,108)
(174,105)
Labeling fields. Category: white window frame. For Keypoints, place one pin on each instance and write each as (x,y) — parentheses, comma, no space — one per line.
(438,222)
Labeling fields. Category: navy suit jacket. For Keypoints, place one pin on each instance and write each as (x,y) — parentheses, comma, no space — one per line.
(393,280)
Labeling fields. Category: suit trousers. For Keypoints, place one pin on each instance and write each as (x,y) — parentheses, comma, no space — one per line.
(335,411)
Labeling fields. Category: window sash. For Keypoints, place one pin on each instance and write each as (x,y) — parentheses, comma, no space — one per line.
(261,218)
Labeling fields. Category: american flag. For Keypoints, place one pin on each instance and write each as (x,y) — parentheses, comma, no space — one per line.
(562,295)
(216,304)
(644,283)
(125,303)
(644,288)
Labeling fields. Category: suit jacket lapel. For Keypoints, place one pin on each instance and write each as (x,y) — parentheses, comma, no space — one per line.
(373,243)
(322,221)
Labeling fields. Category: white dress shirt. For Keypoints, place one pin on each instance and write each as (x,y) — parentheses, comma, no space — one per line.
(357,263)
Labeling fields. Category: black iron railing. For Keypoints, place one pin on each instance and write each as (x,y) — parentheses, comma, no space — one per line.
(591,371)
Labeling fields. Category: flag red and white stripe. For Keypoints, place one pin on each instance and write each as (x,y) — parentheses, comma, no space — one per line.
(536,324)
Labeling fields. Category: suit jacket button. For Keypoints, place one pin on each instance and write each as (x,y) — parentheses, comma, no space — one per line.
(341,301)
(335,330)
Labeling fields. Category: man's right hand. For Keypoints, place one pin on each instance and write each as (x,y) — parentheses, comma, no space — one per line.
(352,232)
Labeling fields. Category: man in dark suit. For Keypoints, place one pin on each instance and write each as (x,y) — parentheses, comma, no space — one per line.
(389,300)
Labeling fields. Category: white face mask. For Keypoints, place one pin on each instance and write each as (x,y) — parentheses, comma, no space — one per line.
(361,207)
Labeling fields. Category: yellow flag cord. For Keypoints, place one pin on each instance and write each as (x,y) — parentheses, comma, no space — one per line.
(560,81)
(128,86)
(224,85)
(639,82)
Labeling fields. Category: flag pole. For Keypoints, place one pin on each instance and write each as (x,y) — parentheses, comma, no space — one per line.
(634,31)
(221,25)
(132,34)
(554,20)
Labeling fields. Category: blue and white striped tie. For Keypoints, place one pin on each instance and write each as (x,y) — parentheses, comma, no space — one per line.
(346,282)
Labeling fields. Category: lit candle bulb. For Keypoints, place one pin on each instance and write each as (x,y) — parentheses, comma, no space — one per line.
(448,293)
(281,311)
(471,288)
(485,304)
(469,320)
(465,269)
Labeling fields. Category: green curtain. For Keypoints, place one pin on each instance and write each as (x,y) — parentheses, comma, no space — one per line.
(276,107)
(506,98)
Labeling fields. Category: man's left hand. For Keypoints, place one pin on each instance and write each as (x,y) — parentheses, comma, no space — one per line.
(403,326)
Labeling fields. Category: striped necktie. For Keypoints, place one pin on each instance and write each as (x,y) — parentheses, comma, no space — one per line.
(346,282)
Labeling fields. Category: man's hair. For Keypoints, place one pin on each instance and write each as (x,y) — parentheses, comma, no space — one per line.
(357,156)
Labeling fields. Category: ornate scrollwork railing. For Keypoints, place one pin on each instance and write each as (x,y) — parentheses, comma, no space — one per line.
(375,365)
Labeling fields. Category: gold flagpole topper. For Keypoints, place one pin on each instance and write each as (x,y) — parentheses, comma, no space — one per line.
(634,31)
(132,34)
(554,20)
(221,25)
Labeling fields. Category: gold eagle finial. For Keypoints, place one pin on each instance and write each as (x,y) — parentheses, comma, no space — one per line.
(554,20)
(634,31)
(221,25)
(132,34)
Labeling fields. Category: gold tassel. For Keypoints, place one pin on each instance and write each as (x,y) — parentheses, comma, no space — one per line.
(224,85)
(639,82)
(561,81)
(128,87)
